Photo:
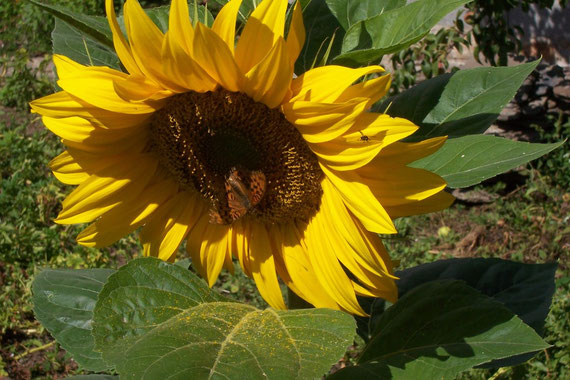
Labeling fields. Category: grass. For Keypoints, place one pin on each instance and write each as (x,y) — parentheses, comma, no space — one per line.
(527,223)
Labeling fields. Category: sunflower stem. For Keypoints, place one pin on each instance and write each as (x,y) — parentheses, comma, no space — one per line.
(296,302)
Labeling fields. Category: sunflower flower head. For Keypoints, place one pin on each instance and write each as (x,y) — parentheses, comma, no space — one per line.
(216,143)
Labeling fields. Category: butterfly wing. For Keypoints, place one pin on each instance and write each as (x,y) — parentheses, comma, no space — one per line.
(257,185)
(239,196)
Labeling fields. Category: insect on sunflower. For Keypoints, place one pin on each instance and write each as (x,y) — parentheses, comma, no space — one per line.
(215,143)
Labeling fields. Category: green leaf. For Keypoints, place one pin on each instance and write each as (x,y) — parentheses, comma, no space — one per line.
(439,329)
(458,104)
(392,31)
(349,12)
(64,300)
(93,376)
(525,289)
(320,26)
(85,39)
(154,319)
(95,27)
(71,43)
(469,160)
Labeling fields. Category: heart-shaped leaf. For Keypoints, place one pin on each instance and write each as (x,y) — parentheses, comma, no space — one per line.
(64,300)
(439,329)
(469,160)
(155,319)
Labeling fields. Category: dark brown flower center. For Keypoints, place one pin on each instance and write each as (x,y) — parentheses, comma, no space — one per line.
(201,138)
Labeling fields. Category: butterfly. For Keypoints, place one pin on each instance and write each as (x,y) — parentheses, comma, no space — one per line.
(244,190)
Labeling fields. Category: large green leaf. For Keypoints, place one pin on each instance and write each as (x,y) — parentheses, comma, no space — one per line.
(349,12)
(525,289)
(94,27)
(458,104)
(320,26)
(469,160)
(93,377)
(392,31)
(155,319)
(64,300)
(439,329)
(71,43)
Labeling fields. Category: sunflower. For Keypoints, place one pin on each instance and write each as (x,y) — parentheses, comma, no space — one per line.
(216,142)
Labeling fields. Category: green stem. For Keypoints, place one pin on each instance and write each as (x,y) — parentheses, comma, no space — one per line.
(31,351)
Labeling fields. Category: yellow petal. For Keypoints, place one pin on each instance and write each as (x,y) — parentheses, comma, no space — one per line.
(300,274)
(146,43)
(162,234)
(361,201)
(62,104)
(67,170)
(436,202)
(81,133)
(216,58)
(405,153)
(268,82)
(100,193)
(400,184)
(373,89)
(179,26)
(177,64)
(263,266)
(89,163)
(354,250)
(121,45)
(358,262)
(207,245)
(321,122)
(241,233)
(126,217)
(65,66)
(296,36)
(225,23)
(327,267)
(326,83)
(138,88)
(95,85)
(370,133)
(395,184)
(263,28)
